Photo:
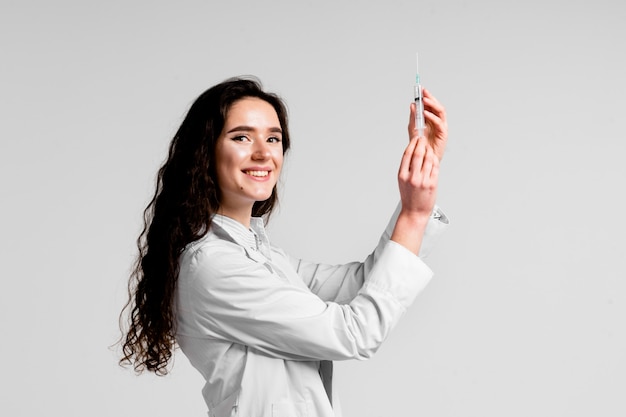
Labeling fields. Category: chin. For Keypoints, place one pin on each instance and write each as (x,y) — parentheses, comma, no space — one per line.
(263,195)
(261,199)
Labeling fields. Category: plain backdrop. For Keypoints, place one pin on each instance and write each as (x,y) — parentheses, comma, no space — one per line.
(526,315)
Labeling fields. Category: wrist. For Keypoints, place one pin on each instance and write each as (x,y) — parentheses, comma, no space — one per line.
(409,230)
(414,219)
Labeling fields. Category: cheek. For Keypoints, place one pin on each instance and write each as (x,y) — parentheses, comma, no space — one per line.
(229,159)
(223,169)
(278,158)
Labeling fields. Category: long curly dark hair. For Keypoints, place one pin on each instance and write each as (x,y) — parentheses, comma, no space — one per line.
(186,197)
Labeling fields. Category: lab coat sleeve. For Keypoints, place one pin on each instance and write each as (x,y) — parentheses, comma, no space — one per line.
(231,297)
(340,283)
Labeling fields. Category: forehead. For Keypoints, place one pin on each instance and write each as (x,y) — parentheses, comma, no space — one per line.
(252,109)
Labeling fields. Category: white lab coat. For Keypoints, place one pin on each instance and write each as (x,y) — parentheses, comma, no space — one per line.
(261,326)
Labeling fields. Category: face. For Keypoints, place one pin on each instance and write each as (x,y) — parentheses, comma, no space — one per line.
(249,156)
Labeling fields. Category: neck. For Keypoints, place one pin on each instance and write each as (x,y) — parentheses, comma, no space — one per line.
(240,214)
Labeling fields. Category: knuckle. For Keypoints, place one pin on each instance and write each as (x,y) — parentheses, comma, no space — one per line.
(415,182)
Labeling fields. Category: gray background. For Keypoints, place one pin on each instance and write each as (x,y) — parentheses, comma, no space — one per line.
(526,315)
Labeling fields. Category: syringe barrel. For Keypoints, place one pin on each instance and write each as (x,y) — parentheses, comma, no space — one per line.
(419,110)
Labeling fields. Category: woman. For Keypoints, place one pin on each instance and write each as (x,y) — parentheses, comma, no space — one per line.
(261,327)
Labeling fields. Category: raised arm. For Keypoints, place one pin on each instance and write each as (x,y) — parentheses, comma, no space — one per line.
(411,228)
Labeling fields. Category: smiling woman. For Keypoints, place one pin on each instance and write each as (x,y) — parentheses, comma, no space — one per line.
(261,327)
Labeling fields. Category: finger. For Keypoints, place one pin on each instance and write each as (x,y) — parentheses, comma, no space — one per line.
(417,159)
(405,163)
(432,104)
(434,122)
(427,165)
(430,171)
(412,131)
(433,177)
(436,109)
(430,182)
(427,94)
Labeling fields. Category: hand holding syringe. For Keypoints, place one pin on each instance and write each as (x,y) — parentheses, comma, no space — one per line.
(428,118)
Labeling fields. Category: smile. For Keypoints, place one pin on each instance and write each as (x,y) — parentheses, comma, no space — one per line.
(258,173)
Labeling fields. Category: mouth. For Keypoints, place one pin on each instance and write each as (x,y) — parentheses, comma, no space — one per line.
(258,174)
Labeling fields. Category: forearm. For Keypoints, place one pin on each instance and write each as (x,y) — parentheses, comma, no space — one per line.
(409,230)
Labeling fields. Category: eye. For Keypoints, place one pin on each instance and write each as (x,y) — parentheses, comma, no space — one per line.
(274,139)
(240,138)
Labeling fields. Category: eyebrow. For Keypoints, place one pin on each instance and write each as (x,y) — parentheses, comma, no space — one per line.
(252,129)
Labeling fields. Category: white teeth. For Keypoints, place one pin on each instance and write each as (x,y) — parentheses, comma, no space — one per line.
(258,173)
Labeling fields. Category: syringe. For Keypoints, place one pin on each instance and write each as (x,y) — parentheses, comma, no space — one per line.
(419,101)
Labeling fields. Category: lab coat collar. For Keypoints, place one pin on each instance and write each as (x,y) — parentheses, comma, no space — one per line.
(254,240)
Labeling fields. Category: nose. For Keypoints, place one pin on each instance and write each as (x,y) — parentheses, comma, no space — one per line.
(261,150)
